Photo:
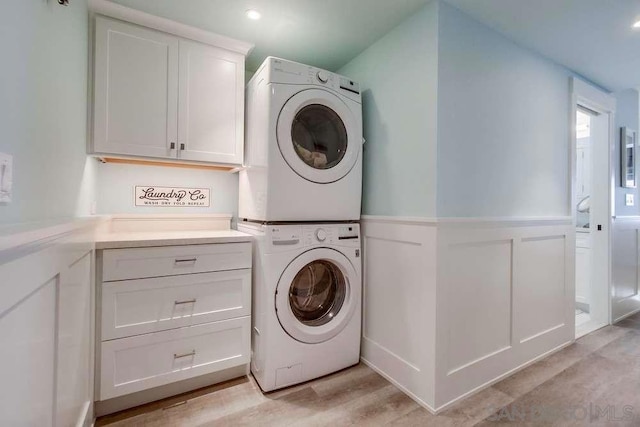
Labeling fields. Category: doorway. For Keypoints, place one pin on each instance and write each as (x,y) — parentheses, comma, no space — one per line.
(592,212)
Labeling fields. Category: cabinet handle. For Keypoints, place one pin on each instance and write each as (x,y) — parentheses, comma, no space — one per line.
(190,260)
(189,301)
(180,356)
(172,146)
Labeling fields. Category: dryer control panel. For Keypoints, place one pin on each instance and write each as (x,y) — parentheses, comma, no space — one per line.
(289,72)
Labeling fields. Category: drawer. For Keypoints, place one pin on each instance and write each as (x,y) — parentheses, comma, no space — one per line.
(138,363)
(141,306)
(138,263)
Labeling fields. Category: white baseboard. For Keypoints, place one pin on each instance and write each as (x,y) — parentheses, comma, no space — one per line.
(406,391)
(624,316)
(502,377)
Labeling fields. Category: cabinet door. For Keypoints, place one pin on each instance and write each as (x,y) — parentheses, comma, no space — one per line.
(145,361)
(211,109)
(135,90)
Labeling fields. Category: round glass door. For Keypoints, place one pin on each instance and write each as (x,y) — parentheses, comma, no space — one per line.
(317,295)
(318,136)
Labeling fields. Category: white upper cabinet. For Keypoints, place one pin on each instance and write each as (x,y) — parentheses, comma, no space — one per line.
(162,96)
(211,106)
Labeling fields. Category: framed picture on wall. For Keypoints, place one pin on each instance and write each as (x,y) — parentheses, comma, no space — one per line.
(628,177)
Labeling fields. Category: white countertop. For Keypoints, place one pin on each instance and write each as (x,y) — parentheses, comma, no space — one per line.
(118,240)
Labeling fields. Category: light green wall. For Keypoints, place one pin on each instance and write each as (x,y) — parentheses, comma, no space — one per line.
(398,77)
(628,115)
(43,82)
(503,125)
(461,122)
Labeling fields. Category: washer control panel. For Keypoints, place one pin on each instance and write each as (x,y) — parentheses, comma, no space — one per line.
(332,234)
(293,235)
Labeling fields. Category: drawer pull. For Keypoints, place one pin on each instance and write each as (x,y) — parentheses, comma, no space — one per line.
(180,356)
(188,301)
(185,261)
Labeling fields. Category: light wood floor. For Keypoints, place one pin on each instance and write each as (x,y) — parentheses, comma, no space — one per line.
(570,387)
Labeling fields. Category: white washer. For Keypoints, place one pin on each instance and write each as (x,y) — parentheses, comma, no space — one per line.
(306,301)
(303,157)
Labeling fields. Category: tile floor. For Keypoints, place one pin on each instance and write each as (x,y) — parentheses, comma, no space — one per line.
(595,381)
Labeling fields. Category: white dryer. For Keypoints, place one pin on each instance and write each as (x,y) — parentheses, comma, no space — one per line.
(306,301)
(303,157)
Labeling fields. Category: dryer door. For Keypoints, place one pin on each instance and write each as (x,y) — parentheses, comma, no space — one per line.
(317,295)
(318,136)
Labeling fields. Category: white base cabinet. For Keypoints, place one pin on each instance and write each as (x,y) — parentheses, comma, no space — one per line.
(151,360)
(172,313)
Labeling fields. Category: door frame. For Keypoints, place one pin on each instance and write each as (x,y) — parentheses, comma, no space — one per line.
(592,98)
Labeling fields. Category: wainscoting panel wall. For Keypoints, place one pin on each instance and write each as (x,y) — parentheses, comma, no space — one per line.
(453,305)
(399,275)
(625,266)
(504,298)
(476,297)
(46,315)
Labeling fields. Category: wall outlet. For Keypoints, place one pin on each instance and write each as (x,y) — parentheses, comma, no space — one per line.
(6,177)
(629,199)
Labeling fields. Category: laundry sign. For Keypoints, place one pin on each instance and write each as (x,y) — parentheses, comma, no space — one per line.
(172,197)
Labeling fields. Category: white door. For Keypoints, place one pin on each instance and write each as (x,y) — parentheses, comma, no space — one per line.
(211,109)
(600,219)
(583,275)
(318,136)
(317,295)
(136,90)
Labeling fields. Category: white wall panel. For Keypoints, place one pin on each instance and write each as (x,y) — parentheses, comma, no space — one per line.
(75,375)
(477,296)
(542,289)
(27,359)
(625,264)
(46,331)
(504,298)
(399,316)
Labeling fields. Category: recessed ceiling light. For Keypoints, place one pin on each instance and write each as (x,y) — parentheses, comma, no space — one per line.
(253,14)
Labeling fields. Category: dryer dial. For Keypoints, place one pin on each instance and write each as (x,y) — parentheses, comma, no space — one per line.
(323,76)
(321,235)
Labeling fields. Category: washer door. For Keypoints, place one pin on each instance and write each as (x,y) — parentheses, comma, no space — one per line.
(317,295)
(317,136)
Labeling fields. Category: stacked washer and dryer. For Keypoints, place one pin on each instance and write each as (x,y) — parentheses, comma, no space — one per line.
(300,197)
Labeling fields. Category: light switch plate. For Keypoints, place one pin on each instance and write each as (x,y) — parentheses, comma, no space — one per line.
(6,177)
(629,200)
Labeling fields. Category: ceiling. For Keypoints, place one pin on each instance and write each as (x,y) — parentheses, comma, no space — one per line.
(592,37)
(323,33)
